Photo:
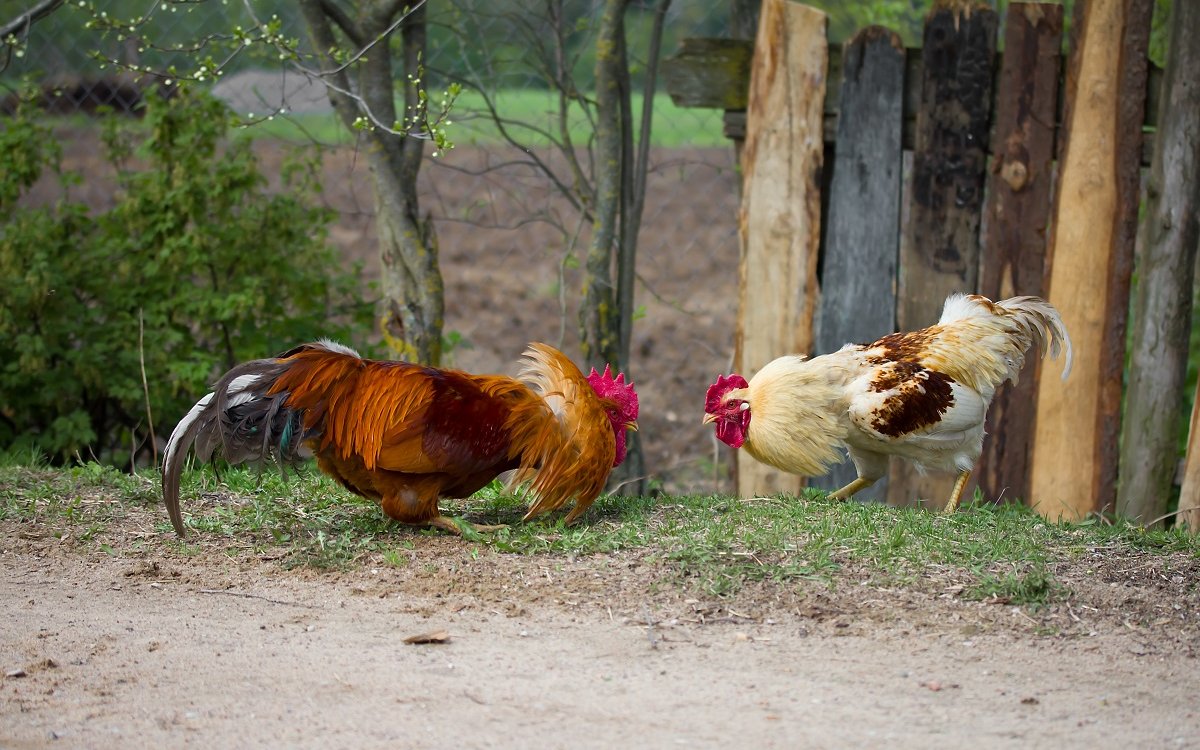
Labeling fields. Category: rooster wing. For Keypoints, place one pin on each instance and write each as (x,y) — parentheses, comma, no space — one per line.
(903,408)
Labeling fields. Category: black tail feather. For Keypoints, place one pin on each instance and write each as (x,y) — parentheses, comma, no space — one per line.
(240,418)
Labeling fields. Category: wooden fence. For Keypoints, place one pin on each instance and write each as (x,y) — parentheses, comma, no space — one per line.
(842,243)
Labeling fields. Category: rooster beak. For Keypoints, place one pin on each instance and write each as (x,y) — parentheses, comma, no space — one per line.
(709,418)
(631,426)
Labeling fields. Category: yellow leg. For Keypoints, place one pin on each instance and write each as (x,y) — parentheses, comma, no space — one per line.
(445,523)
(846,492)
(956,493)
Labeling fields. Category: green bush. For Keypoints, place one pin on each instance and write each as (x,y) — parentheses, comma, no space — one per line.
(195,268)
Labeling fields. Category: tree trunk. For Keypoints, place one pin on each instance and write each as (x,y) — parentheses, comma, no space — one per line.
(598,319)
(1162,312)
(413,306)
(635,162)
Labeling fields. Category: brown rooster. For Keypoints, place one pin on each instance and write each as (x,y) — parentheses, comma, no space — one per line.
(921,396)
(407,435)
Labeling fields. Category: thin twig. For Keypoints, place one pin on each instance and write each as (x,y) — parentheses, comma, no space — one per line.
(146,385)
(254,596)
(1165,516)
(649,627)
(24,21)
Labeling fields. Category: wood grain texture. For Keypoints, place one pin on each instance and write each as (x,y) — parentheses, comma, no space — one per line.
(1162,310)
(862,232)
(1018,213)
(940,254)
(1090,257)
(1189,492)
(779,217)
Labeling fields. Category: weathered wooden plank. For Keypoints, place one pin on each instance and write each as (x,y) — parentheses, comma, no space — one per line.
(1189,490)
(1018,212)
(779,218)
(940,254)
(1163,302)
(1091,257)
(709,72)
(858,277)
(706,87)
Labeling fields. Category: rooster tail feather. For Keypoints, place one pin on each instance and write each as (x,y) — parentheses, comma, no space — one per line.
(1043,322)
(241,418)
(983,343)
(196,422)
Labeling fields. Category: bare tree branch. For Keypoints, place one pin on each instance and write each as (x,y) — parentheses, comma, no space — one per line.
(23,22)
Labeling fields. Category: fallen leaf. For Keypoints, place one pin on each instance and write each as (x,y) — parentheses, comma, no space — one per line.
(437,636)
(16,673)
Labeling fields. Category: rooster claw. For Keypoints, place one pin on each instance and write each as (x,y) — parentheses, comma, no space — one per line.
(462,528)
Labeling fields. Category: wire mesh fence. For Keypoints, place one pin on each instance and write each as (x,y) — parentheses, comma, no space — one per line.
(511,240)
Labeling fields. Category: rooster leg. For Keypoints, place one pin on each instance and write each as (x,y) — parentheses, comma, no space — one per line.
(956,493)
(846,492)
(446,523)
(416,508)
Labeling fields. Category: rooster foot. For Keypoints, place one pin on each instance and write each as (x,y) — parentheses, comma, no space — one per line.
(459,527)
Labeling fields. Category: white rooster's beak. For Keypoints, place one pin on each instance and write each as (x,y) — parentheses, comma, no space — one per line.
(709,418)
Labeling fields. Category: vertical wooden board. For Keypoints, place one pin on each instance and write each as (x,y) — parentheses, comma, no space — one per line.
(858,277)
(1090,257)
(940,254)
(1018,212)
(1162,310)
(779,218)
(1179,144)
(1189,492)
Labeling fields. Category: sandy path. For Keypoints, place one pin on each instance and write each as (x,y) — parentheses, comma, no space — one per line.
(113,660)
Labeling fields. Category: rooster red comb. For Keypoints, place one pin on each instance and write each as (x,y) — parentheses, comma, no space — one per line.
(716,391)
(616,389)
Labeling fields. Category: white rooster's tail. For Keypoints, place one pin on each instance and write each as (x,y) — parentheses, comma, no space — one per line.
(999,333)
(1038,319)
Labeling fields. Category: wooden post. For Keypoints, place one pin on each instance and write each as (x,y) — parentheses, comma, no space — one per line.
(940,254)
(1163,303)
(1018,211)
(862,234)
(1189,493)
(779,219)
(1091,253)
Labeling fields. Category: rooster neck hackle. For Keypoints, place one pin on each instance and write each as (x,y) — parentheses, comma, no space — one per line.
(793,412)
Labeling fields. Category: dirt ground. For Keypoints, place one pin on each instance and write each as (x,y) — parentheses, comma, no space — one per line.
(143,646)
(136,644)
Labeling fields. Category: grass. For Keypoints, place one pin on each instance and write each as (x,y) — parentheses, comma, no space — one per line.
(715,543)
(471,125)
